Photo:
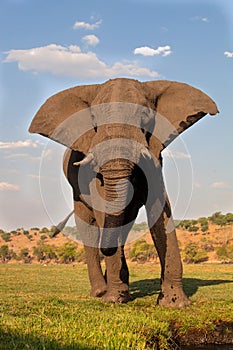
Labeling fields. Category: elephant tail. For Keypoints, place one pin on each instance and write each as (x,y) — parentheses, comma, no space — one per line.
(61,225)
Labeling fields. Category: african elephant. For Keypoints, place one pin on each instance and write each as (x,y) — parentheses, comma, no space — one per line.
(115,133)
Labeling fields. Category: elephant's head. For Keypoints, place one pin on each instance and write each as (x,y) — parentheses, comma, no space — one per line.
(115,124)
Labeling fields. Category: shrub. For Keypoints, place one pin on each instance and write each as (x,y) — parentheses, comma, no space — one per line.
(185,224)
(218,219)
(24,255)
(193,229)
(67,252)
(142,251)
(44,251)
(225,253)
(142,226)
(204,228)
(193,254)
(44,230)
(43,237)
(6,236)
(4,253)
(229,218)
(80,255)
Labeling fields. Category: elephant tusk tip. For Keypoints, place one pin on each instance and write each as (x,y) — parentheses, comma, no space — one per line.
(145,153)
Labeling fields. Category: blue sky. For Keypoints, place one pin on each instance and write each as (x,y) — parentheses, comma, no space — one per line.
(48,46)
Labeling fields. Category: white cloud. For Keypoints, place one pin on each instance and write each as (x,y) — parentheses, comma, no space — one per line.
(6,186)
(175,154)
(228,54)
(87,26)
(219,184)
(201,19)
(70,61)
(91,40)
(20,144)
(148,51)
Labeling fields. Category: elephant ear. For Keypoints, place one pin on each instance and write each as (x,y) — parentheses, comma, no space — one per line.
(178,107)
(66,117)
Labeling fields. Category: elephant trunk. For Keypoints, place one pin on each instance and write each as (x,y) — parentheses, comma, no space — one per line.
(118,194)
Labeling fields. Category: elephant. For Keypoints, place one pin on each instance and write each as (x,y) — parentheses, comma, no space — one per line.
(114,133)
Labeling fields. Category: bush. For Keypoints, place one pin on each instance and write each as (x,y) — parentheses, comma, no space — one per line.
(142,226)
(204,228)
(193,229)
(44,230)
(6,236)
(6,254)
(24,255)
(80,255)
(44,252)
(218,219)
(225,253)
(142,251)
(67,252)
(193,254)
(43,237)
(185,224)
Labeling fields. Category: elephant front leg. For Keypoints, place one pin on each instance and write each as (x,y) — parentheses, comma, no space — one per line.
(89,233)
(117,278)
(164,236)
(96,278)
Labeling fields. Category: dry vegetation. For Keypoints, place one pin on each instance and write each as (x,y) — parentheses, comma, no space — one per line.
(203,240)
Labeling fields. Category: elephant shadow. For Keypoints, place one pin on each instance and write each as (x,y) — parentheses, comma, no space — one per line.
(8,338)
(149,287)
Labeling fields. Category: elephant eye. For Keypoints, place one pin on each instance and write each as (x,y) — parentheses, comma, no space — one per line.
(94,122)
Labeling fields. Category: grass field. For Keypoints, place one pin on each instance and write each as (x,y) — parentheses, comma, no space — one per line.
(49,308)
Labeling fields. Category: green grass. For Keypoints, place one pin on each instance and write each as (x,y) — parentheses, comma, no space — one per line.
(49,308)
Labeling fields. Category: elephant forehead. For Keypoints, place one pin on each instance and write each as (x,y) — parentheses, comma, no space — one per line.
(118,131)
(121,90)
(121,112)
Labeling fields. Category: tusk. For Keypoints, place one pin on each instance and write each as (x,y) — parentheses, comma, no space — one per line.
(86,160)
(145,153)
(61,225)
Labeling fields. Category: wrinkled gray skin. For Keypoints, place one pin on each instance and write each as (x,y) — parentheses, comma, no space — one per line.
(106,225)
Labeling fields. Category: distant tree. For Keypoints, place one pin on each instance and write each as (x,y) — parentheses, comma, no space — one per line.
(67,252)
(80,255)
(225,253)
(193,229)
(44,230)
(43,237)
(1,231)
(35,229)
(185,224)
(218,219)
(44,251)
(24,255)
(6,236)
(142,226)
(142,251)
(193,254)
(229,218)
(4,253)
(204,228)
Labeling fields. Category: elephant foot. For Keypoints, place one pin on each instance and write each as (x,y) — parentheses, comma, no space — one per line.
(98,291)
(174,298)
(117,297)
